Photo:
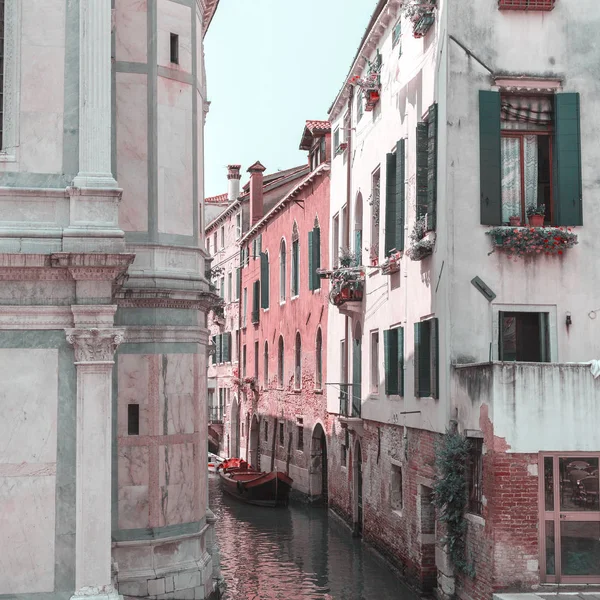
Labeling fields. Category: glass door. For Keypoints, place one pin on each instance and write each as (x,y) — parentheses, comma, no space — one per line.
(570,514)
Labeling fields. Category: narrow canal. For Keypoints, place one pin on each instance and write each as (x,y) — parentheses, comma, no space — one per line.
(294,553)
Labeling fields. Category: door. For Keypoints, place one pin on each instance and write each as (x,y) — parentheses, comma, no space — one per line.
(570,518)
(356,374)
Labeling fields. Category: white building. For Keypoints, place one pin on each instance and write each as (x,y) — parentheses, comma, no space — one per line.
(103,339)
(484,110)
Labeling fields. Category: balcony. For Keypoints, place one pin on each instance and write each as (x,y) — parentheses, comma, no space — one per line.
(526,4)
(347,289)
(350,411)
(532,406)
(215,414)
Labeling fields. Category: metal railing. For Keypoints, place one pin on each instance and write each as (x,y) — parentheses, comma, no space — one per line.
(344,399)
(347,409)
(215,414)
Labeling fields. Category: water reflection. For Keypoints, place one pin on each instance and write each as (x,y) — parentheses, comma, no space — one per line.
(295,552)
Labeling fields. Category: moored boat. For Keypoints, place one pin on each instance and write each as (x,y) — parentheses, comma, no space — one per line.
(239,480)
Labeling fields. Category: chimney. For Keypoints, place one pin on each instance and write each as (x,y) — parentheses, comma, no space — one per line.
(256,192)
(233,182)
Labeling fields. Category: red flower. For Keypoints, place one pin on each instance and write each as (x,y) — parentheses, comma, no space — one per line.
(560,251)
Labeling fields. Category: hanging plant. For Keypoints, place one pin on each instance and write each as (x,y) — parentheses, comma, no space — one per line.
(450,496)
(422,242)
(519,241)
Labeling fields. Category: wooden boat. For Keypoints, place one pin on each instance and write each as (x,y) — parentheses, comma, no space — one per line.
(241,481)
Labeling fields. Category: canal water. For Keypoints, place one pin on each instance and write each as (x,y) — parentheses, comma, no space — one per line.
(295,553)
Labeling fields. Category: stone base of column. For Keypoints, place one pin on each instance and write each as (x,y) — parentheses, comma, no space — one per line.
(106,592)
(95,180)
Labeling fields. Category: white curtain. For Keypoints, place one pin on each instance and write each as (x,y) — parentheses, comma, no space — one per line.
(511,174)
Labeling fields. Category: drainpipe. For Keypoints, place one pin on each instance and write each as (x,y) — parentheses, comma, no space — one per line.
(347,336)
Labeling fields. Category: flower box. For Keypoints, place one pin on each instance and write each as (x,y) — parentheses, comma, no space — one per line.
(392,263)
(341,148)
(522,241)
(422,25)
(526,4)
(372,100)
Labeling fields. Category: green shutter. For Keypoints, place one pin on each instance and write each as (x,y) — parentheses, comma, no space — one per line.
(432,167)
(219,348)
(238,282)
(259,244)
(422,159)
(316,258)
(391,199)
(390,351)
(490,190)
(422,359)
(264,280)
(311,276)
(400,194)
(400,361)
(214,356)
(435,358)
(254,248)
(567,162)
(255,301)
(356,378)
(226,348)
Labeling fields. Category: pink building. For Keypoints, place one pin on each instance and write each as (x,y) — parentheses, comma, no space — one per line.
(228,218)
(282,412)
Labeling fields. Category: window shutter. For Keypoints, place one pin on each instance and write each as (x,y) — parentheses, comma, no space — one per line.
(422,359)
(490,190)
(435,358)
(226,350)
(432,167)
(390,202)
(311,276)
(219,348)
(567,161)
(316,258)
(238,282)
(400,193)
(264,280)
(259,245)
(422,160)
(400,331)
(255,300)
(214,356)
(390,350)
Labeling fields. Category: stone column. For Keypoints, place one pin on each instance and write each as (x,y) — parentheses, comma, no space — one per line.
(95,95)
(94,352)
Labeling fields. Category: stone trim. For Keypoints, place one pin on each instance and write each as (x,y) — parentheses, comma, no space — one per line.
(35,317)
(166,333)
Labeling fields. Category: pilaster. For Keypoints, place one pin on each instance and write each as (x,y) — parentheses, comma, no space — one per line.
(95,96)
(94,352)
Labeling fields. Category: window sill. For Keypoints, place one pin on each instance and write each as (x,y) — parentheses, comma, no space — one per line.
(318,390)
(398,513)
(295,297)
(475,519)
(294,391)
(282,303)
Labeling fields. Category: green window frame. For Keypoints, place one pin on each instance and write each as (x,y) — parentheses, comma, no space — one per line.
(255,301)
(264,280)
(426,358)
(314,259)
(395,198)
(393,348)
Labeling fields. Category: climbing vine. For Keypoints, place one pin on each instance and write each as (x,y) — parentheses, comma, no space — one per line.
(450,496)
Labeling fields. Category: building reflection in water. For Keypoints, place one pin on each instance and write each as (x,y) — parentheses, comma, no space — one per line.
(295,552)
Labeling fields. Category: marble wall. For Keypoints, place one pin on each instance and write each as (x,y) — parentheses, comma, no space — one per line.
(158,470)
(28,455)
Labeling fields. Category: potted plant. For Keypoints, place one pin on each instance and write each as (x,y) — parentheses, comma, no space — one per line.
(422,244)
(347,258)
(536,214)
(515,220)
(523,241)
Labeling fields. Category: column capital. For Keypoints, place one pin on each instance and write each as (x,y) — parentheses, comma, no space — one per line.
(95,345)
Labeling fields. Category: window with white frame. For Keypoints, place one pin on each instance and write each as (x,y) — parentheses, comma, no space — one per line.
(295,279)
(282,271)
(238,226)
(222,237)
(335,241)
(298,363)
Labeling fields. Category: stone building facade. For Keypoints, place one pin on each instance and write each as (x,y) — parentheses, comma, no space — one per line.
(229,221)
(282,366)
(456,124)
(103,485)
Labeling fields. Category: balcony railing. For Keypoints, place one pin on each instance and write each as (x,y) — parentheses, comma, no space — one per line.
(348,409)
(215,414)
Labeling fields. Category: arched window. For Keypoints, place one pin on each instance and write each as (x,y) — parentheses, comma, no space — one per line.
(295,283)
(282,270)
(298,363)
(266,369)
(319,361)
(280,362)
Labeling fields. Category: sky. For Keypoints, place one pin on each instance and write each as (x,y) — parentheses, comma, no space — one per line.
(271,65)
